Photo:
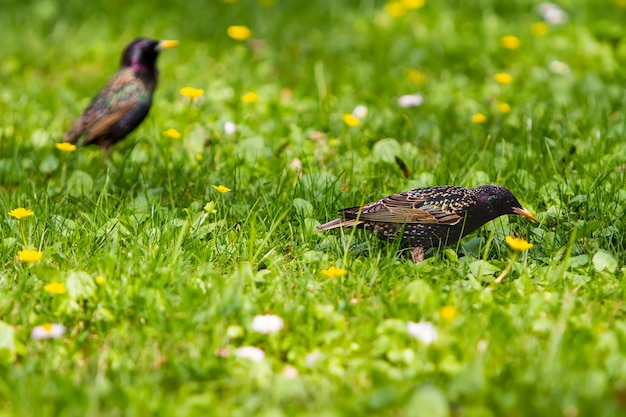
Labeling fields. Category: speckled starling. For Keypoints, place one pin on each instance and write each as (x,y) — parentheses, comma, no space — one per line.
(124,102)
(432,216)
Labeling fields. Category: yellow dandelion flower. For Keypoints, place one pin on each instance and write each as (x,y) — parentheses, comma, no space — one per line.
(250,97)
(504,108)
(518,244)
(396,9)
(191,93)
(239,32)
(29,255)
(334,272)
(479,118)
(416,77)
(100,280)
(65,147)
(172,133)
(199,157)
(503,78)
(56,288)
(21,213)
(221,188)
(413,4)
(350,120)
(539,29)
(510,42)
(447,313)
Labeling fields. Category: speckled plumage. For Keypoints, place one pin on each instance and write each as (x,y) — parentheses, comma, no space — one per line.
(124,102)
(432,216)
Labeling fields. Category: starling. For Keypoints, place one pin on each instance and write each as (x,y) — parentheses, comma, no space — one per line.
(432,216)
(124,101)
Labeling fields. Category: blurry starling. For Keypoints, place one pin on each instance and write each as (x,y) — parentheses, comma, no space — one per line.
(432,216)
(124,101)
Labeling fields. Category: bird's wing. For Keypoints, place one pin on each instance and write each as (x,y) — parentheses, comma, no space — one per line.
(338,223)
(102,124)
(117,99)
(409,207)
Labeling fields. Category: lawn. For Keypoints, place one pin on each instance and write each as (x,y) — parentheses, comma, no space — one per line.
(184,265)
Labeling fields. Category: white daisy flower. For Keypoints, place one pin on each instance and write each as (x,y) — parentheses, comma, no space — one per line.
(47,331)
(296,164)
(552,13)
(360,111)
(230,128)
(267,323)
(290,372)
(312,358)
(424,331)
(251,353)
(410,100)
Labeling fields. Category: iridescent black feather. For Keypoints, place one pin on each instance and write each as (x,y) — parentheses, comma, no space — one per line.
(432,216)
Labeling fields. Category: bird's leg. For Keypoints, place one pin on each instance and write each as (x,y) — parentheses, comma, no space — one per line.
(418,254)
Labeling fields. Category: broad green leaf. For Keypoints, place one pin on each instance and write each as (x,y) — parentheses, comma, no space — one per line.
(481,268)
(427,401)
(419,292)
(302,206)
(7,342)
(79,183)
(386,150)
(604,261)
(80,285)
(48,164)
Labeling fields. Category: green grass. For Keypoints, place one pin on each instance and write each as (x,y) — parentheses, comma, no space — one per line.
(186,268)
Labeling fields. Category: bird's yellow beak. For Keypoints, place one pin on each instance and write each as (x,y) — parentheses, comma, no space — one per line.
(167,44)
(523,212)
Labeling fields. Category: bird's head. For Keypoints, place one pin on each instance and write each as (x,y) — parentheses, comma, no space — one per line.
(499,201)
(141,54)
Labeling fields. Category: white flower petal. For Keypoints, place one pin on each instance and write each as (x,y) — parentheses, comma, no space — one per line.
(268,323)
(290,372)
(552,13)
(424,331)
(312,358)
(251,353)
(410,100)
(360,111)
(47,331)
(296,164)
(230,128)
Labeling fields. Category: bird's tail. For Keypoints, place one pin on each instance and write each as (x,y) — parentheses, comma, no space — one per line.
(338,223)
(75,132)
